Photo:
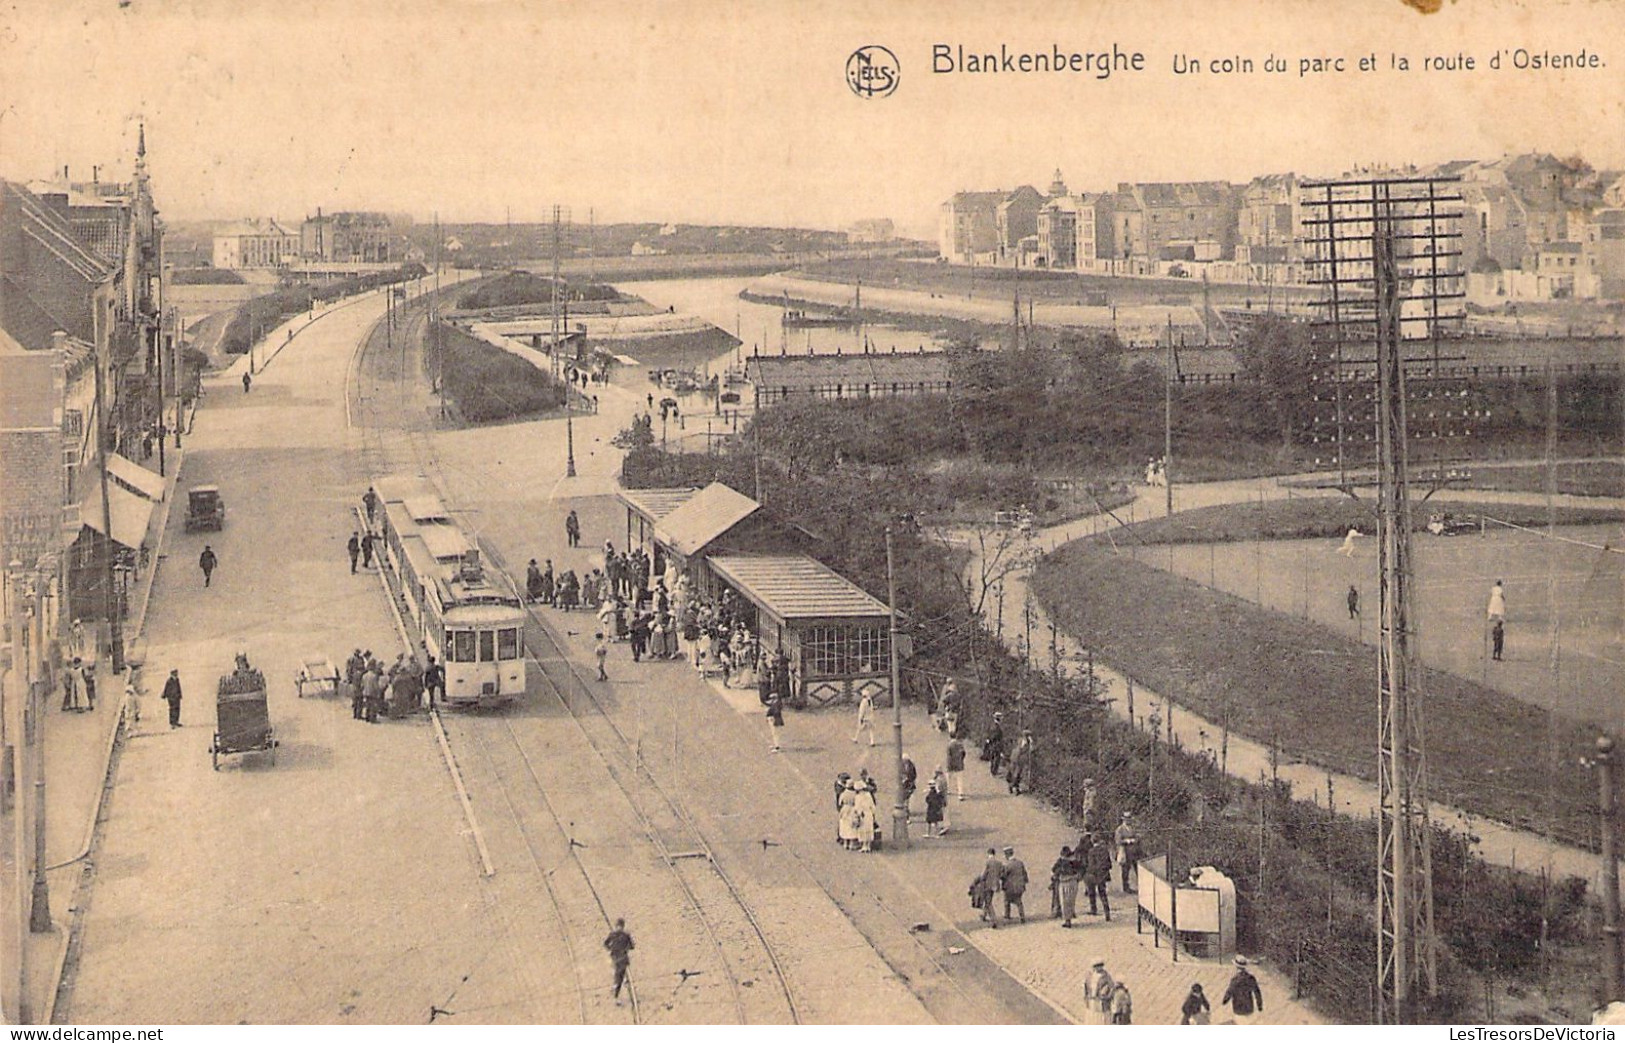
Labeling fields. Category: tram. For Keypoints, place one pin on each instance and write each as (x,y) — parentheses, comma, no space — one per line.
(467,615)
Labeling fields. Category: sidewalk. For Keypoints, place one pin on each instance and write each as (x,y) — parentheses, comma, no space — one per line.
(791,793)
(79,750)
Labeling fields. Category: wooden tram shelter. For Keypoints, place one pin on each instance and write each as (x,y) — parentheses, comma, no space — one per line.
(835,635)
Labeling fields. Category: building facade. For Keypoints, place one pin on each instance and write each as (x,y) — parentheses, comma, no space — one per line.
(255,244)
(350,237)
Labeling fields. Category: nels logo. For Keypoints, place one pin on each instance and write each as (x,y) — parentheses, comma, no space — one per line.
(872,72)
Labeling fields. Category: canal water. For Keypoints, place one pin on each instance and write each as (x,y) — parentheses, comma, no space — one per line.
(759,326)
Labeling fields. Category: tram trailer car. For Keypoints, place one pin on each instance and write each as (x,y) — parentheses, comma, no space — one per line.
(466,614)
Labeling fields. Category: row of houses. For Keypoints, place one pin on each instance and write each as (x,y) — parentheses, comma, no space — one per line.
(1558,222)
(88,357)
(348,237)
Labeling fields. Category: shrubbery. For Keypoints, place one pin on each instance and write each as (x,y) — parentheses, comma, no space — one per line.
(487,384)
(256,316)
(527,288)
(205,277)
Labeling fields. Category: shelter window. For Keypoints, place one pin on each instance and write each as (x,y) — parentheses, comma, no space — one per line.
(488,646)
(508,643)
(462,646)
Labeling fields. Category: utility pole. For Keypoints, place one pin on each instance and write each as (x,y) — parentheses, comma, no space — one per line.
(39,907)
(1614,963)
(1168,421)
(569,386)
(17,727)
(899,816)
(115,621)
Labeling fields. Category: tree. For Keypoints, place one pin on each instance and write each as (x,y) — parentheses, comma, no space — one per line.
(1278,355)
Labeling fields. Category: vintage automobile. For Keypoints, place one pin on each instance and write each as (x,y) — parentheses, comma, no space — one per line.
(204,508)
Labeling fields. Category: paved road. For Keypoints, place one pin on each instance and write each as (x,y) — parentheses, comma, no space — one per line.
(336,885)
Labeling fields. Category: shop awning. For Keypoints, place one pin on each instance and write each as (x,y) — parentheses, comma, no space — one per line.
(130,513)
(136,477)
(794,586)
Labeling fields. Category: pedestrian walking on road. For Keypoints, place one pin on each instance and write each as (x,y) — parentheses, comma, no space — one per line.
(1064,877)
(866,718)
(1015,884)
(1127,840)
(1021,762)
(1354,601)
(1498,639)
(248,382)
(366,550)
(620,946)
(172,696)
(1122,1005)
(372,694)
(369,500)
(354,547)
(1097,873)
(207,562)
(991,883)
(956,765)
(87,674)
(866,817)
(1098,987)
(572,529)
(936,806)
(911,781)
(993,745)
(601,652)
(434,682)
(70,685)
(1243,995)
(775,720)
(1195,1010)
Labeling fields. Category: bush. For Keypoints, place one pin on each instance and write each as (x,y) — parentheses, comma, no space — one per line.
(487,384)
(527,288)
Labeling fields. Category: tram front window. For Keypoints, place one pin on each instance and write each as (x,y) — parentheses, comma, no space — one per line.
(462,646)
(508,643)
(488,646)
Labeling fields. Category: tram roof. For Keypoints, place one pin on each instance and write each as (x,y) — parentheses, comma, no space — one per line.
(795,586)
(445,542)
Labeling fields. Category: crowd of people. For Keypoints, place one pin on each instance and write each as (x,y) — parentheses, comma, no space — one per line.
(664,619)
(402,688)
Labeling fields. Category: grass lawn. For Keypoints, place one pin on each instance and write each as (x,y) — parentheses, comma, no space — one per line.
(1309,688)
(1329,516)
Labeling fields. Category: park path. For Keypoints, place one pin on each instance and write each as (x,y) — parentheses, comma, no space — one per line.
(1246,759)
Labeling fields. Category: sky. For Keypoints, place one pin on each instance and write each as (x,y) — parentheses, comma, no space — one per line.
(711,112)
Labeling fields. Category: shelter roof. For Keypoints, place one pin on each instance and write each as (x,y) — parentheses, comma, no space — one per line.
(706,515)
(795,586)
(655,504)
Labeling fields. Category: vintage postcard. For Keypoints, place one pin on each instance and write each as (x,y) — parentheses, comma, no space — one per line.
(811,514)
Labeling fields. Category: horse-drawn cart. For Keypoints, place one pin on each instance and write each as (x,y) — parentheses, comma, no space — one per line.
(242,722)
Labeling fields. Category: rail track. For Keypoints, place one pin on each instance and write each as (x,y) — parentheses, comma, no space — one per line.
(740,950)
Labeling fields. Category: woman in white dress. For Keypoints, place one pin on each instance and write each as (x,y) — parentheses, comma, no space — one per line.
(863,819)
(847,828)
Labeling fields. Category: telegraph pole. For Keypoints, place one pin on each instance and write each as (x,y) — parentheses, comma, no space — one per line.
(1614,965)
(115,621)
(899,815)
(39,907)
(1168,421)
(17,725)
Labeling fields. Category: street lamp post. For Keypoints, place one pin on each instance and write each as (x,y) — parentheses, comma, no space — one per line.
(569,437)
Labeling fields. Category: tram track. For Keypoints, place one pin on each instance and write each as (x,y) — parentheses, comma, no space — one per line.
(741,952)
